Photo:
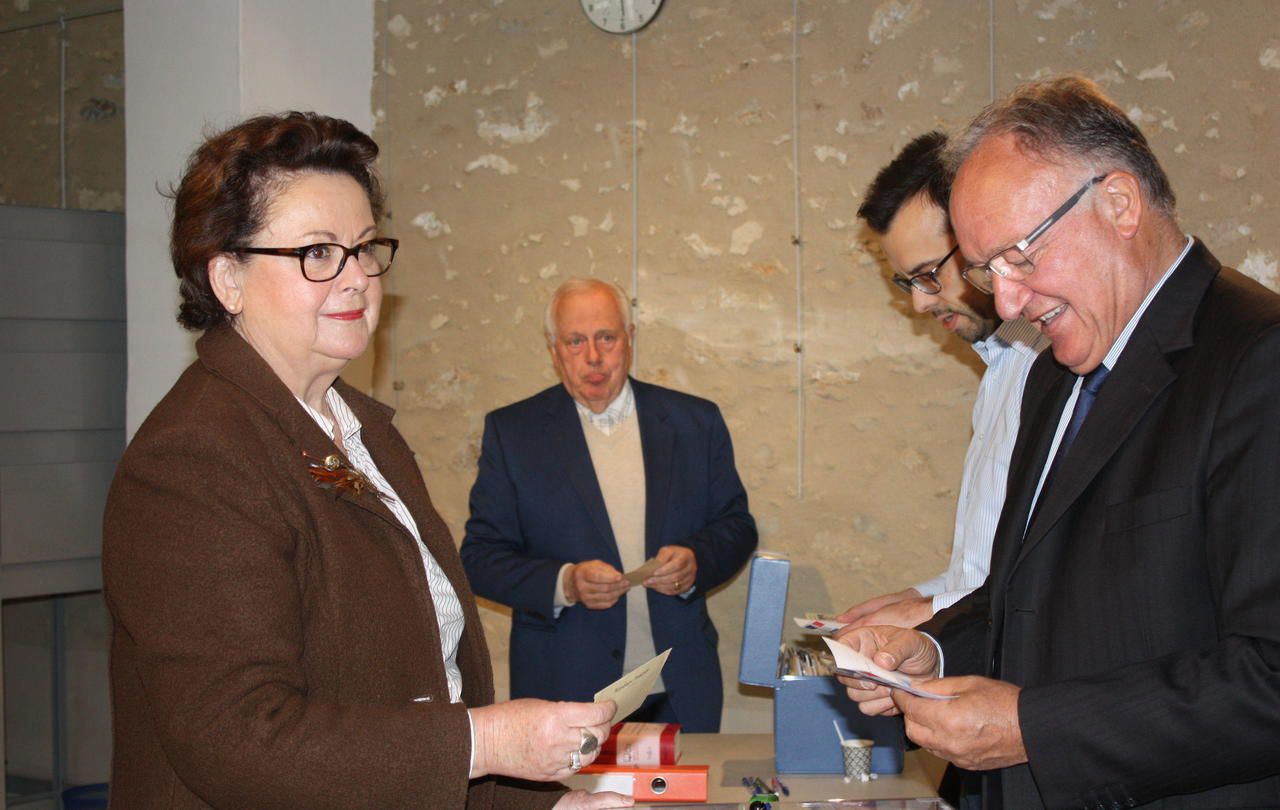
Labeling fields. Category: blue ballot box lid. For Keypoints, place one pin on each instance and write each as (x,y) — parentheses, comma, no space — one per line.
(762,624)
(807,710)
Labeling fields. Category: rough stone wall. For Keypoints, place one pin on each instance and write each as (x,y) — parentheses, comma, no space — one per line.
(512,163)
(94,106)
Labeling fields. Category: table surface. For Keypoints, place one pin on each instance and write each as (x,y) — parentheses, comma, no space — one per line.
(733,756)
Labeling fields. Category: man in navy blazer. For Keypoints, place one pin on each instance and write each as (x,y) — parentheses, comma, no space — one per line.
(1125,648)
(592,478)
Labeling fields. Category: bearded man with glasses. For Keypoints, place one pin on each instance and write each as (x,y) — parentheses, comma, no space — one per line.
(1125,649)
(905,206)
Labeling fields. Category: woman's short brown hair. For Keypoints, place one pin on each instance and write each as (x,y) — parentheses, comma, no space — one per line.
(230,181)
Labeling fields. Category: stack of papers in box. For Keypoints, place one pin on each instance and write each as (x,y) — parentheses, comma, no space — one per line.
(799,660)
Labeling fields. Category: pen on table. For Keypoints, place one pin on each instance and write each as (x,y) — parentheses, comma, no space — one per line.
(777,785)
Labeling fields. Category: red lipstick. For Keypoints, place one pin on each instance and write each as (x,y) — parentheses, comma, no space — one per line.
(349,315)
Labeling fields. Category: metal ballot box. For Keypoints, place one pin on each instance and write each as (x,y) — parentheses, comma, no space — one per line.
(806,709)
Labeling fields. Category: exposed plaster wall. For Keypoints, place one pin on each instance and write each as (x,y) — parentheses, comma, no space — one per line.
(94,102)
(508,138)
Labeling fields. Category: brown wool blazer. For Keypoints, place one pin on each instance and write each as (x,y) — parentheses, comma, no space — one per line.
(274,643)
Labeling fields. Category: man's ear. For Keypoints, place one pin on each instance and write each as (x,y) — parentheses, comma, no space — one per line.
(225,281)
(555,362)
(1122,202)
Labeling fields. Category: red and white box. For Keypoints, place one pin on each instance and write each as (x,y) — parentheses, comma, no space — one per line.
(641,745)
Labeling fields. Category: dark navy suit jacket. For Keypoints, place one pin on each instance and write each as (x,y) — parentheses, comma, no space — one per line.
(536,505)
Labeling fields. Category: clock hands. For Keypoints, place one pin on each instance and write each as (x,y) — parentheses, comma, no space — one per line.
(620,16)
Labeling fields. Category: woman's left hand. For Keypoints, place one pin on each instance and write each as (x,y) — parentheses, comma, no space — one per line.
(582,800)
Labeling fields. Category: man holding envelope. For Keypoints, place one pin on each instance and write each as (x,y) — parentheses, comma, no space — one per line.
(595,487)
(1125,648)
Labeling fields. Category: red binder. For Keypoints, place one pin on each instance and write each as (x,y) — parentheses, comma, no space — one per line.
(666,783)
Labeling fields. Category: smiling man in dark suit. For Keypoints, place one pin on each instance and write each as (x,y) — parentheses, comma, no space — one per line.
(589,479)
(1125,649)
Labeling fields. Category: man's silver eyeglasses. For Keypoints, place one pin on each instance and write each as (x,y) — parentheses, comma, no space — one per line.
(1012,263)
(324,261)
(926,282)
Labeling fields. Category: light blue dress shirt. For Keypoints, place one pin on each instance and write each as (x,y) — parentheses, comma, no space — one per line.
(1009,353)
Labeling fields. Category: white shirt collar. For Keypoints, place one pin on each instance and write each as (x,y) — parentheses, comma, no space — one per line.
(348,424)
(1123,340)
(1017,334)
(608,420)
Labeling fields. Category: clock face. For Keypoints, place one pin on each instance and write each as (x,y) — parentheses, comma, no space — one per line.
(621,16)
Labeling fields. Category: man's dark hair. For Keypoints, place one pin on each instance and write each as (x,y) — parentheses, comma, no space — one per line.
(918,168)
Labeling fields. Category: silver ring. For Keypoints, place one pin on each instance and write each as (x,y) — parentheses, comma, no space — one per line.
(575,761)
(589,743)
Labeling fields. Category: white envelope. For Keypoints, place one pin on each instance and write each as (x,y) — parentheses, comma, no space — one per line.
(631,689)
(851,663)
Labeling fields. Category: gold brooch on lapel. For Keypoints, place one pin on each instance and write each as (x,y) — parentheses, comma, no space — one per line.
(333,473)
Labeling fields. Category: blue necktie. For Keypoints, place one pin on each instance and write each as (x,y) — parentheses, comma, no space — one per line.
(1084,402)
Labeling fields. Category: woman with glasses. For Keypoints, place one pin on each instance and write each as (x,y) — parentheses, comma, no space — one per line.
(292,626)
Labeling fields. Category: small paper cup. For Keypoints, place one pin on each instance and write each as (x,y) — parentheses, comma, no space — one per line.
(857,758)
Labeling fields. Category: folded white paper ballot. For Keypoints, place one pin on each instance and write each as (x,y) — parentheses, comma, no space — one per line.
(854,664)
(631,689)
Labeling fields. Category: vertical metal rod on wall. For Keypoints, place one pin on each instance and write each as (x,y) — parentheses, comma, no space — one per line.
(62,112)
(382,59)
(635,196)
(59,696)
(798,241)
(991,45)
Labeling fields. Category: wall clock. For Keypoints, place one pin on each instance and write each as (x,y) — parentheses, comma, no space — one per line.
(621,16)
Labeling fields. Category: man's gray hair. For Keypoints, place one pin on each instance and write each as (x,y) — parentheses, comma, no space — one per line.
(1069,118)
(580,285)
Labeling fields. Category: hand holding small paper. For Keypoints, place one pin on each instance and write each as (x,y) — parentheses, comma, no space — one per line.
(908,612)
(864,614)
(534,739)
(870,661)
(631,689)
(677,572)
(595,584)
(637,576)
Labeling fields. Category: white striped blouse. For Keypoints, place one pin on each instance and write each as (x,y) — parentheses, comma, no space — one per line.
(448,608)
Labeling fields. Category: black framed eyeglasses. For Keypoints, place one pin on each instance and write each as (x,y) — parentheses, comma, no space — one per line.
(1012,263)
(324,261)
(926,282)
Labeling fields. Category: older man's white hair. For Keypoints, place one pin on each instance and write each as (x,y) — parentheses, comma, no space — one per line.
(581,285)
